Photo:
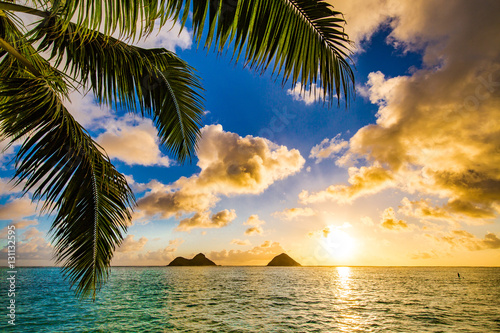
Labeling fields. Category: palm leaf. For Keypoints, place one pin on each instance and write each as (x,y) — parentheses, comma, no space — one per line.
(130,18)
(304,38)
(63,166)
(155,81)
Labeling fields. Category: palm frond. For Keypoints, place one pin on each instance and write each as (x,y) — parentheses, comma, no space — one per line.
(304,38)
(62,165)
(155,81)
(130,18)
(18,58)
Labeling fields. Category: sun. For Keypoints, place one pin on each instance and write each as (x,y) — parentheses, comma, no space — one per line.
(338,243)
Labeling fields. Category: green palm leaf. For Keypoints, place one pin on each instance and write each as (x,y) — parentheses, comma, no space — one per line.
(155,81)
(65,167)
(304,38)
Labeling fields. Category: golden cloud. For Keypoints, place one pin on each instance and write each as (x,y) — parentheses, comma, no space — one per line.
(204,220)
(254,220)
(328,148)
(159,257)
(464,239)
(230,165)
(32,249)
(293,213)
(16,209)
(363,181)
(131,245)
(437,129)
(390,222)
(240,242)
(254,231)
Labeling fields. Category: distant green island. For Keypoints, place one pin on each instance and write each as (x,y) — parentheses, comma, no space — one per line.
(201,260)
(283,260)
(198,260)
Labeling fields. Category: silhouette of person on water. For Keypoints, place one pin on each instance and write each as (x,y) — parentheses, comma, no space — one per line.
(458,275)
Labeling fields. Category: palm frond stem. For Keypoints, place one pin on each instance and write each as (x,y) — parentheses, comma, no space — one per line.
(11,50)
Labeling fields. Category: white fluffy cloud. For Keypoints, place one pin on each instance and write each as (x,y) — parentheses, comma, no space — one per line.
(230,165)
(310,96)
(86,111)
(328,148)
(169,36)
(133,140)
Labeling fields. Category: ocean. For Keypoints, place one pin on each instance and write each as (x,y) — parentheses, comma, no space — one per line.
(261,299)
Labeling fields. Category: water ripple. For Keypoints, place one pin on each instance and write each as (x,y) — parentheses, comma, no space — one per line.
(263,299)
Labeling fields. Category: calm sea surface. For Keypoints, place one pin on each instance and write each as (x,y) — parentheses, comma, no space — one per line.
(262,299)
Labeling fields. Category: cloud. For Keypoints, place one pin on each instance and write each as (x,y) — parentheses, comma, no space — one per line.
(254,231)
(422,209)
(366,220)
(19,225)
(131,245)
(293,213)
(169,36)
(364,17)
(133,140)
(86,111)
(328,148)
(230,165)
(6,154)
(310,96)
(424,255)
(436,131)
(159,257)
(255,224)
(240,242)
(464,239)
(32,232)
(204,220)
(17,209)
(390,222)
(32,247)
(259,255)
(363,181)
(254,220)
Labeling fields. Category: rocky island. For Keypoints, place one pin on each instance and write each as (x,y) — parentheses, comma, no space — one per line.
(198,260)
(283,260)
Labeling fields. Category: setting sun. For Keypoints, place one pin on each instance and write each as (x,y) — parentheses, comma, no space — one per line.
(338,243)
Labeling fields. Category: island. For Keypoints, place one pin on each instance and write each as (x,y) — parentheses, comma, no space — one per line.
(198,260)
(283,260)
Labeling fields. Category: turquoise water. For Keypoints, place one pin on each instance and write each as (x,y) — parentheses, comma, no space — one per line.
(262,299)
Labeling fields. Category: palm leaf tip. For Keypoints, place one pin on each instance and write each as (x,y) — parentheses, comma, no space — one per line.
(59,160)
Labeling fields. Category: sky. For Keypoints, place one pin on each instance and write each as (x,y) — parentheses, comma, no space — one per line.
(407,175)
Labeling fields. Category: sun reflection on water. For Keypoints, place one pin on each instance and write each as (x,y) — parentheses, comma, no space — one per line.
(348,319)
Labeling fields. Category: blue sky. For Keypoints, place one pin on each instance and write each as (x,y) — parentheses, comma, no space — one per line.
(407,174)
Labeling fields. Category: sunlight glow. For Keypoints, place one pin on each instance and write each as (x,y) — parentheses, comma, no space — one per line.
(339,243)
